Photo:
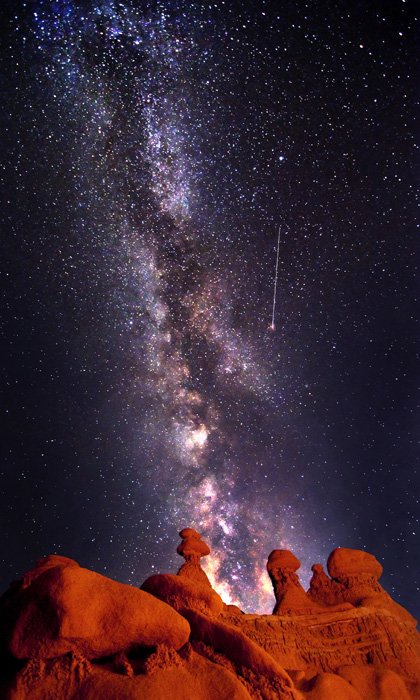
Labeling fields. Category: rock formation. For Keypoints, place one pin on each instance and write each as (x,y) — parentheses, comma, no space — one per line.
(322,589)
(69,633)
(190,588)
(354,579)
(291,599)
(64,608)
(192,548)
(290,596)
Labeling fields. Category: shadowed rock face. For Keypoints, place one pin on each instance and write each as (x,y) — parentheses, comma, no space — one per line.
(69,633)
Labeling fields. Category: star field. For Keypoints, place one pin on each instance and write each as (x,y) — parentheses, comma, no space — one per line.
(152,151)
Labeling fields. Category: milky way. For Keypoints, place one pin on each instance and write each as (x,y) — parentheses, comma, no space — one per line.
(155,151)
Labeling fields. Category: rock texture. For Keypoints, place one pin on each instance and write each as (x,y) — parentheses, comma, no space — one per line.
(191,587)
(325,642)
(64,608)
(291,599)
(182,593)
(322,589)
(68,633)
(74,678)
(355,580)
(236,646)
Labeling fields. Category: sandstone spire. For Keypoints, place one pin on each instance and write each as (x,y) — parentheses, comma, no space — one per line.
(192,548)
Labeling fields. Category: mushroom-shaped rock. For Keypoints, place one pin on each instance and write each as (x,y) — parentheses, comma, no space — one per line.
(192,548)
(324,590)
(68,608)
(282,559)
(291,599)
(357,574)
(344,563)
(192,544)
(182,592)
(190,588)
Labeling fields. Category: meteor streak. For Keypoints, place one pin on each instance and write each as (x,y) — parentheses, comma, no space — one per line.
(272,326)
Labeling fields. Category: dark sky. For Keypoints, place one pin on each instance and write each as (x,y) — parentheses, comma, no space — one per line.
(151,154)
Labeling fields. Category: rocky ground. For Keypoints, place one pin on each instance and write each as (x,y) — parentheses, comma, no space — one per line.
(68,633)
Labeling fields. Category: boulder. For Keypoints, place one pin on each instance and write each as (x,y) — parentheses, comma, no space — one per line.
(344,563)
(357,574)
(42,565)
(375,683)
(181,592)
(68,608)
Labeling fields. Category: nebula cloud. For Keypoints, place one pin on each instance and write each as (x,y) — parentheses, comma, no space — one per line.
(178,138)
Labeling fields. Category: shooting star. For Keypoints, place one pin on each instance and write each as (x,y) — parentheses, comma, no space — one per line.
(272,326)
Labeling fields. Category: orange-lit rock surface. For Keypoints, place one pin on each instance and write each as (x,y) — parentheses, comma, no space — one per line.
(355,580)
(190,588)
(67,633)
(66,608)
(291,599)
(183,593)
(192,548)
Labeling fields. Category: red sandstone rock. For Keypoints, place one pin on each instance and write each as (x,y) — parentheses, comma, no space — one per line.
(192,548)
(375,683)
(200,680)
(196,678)
(329,640)
(67,608)
(192,544)
(236,646)
(328,686)
(232,610)
(191,587)
(283,559)
(333,652)
(324,590)
(42,565)
(41,679)
(291,599)
(290,596)
(357,574)
(352,562)
(180,592)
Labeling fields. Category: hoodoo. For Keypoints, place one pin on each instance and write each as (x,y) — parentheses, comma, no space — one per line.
(67,632)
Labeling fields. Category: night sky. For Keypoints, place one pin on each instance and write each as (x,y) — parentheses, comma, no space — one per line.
(151,154)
